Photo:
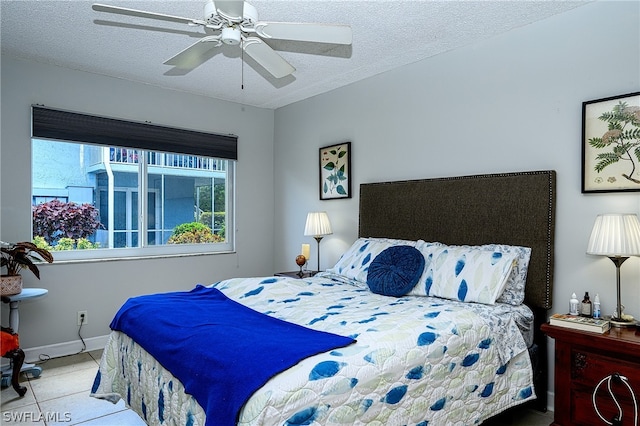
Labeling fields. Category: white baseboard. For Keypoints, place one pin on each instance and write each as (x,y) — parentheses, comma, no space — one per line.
(550,398)
(63,349)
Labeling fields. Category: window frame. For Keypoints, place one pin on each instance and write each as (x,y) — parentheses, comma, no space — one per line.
(50,124)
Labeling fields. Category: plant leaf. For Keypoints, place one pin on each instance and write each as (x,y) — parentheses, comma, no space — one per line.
(597,143)
(605,160)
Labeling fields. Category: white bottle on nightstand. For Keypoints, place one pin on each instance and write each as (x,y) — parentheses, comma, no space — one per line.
(596,306)
(573,305)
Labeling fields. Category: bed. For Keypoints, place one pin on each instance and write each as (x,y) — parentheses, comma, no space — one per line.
(425,355)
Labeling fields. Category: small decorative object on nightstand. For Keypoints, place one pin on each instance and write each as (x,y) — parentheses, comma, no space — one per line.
(301,261)
(593,373)
(306,250)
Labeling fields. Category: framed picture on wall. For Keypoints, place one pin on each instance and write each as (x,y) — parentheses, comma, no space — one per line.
(335,171)
(611,144)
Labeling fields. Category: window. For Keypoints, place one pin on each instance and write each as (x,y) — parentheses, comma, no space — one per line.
(88,195)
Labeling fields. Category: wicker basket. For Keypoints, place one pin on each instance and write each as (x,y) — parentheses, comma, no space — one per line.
(10,285)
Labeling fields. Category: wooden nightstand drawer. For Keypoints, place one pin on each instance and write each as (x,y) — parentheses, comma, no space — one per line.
(588,368)
(582,361)
(600,371)
(584,413)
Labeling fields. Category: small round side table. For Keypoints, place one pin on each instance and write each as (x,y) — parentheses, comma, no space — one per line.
(14,321)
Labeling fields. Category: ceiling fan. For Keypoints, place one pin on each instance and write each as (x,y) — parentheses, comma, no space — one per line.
(235,22)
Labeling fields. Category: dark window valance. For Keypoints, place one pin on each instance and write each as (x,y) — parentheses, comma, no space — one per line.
(71,126)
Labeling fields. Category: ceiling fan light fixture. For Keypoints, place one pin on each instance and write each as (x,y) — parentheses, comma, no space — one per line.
(231,36)
(234,22)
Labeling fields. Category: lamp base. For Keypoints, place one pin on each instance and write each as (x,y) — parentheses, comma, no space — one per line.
(622,322)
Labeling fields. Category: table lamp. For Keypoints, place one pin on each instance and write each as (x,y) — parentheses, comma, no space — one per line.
(616,236)
(317,226)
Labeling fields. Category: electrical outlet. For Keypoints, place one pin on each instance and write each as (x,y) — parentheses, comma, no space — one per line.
(83,319)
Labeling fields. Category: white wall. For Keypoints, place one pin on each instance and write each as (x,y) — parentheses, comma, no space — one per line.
(512,103)
(101,287)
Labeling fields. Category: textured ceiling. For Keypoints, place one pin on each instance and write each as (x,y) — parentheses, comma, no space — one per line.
(386,35)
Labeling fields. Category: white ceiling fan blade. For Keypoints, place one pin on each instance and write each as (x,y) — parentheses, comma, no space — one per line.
(231,9)
(318,33)
(142,14)
(267,57)
(194,55)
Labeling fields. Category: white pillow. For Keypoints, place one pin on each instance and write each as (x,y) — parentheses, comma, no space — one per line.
(354,263)
(465,273)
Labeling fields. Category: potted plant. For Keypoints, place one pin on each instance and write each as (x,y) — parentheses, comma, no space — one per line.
(16,257)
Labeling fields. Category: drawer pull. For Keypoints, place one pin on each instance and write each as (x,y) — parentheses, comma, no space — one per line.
(617,420)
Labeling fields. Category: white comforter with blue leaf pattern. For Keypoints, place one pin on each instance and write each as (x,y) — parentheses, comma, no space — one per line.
(417,361)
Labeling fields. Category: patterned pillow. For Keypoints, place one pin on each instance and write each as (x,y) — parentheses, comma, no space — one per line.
(514,291)
(395,271)
(468,274)
(426,280)
(355,262)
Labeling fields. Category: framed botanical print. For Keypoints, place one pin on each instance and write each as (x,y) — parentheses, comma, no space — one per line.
(335,171)
(611,144)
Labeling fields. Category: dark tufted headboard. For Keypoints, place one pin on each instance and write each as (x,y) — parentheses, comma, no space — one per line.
(506,208)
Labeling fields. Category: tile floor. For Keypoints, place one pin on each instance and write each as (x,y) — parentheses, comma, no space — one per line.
(60,396)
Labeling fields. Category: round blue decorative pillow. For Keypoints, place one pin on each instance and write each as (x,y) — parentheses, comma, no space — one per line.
(395,271)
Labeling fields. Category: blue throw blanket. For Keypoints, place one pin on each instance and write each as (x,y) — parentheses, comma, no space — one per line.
(219,349)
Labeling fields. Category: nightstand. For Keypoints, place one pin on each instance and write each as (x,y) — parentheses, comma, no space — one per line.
(296,274)
(582,361)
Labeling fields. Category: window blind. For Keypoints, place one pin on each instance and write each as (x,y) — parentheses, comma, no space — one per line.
(72,126)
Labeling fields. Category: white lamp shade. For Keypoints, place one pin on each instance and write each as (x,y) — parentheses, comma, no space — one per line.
(317,224)
(615,235)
